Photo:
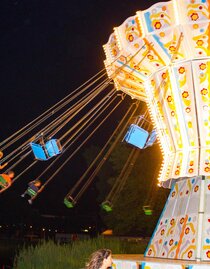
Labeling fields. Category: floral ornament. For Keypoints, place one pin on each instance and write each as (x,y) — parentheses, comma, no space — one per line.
(136,67)
(189,124)
(188,109)
(114,52)
(150,57)
(185,94)
(208,254)
(172,113)
(195,26)
(123,59)
(131,38)
(181,70)
(177,172)
(204,91)
(158,25)
(190,170)
(187,230)
(202,66)
(162,232)
(189,254)
(209,187)
(191,163)
(181,221)
(172,222)
(171,242)
(153,82)
(161,34)
(207,169)
(173,193)
(172,49)
(150,252)
(194,16)
(196,188)
(169,98)
(164,75)
(200,42)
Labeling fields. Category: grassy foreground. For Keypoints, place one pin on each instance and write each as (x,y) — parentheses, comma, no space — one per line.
(50,255)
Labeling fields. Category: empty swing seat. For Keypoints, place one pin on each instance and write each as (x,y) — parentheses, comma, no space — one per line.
(151,139)
(147,210)
(136,136)
(107,206)
(69,202)
(53,147)
(44,152)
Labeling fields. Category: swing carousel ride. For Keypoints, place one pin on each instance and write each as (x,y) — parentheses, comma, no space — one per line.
(160,56)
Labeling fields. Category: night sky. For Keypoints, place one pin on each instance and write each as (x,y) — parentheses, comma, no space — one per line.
(47,49)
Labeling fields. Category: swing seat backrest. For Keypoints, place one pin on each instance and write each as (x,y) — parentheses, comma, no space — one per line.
(38,151)
(151,139)
(107,206)
(147,210)
(68,203)
(136,136)
(52,147)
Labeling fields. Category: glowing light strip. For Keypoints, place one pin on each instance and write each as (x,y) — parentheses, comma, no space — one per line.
(176,12)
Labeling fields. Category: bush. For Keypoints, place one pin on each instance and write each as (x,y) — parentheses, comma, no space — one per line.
(51,255)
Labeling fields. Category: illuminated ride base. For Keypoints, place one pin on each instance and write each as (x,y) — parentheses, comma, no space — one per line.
(162,56)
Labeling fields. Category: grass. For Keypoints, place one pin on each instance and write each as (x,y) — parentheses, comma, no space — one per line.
(51,255)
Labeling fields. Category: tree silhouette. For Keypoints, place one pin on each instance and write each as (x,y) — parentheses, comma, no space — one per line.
(140,189)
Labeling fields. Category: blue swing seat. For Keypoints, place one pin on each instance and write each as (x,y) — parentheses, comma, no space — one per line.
(49,149)
(136,136)
(151,139)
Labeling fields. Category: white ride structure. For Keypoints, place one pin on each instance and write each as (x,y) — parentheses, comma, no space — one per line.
(162,56)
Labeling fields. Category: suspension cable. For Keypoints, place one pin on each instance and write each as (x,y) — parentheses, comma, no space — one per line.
(121,180)
(29,140)
(78,148)
(100,153)
(67,147)
(73,111)
(106,156)
(99,106)
(24,145)
(50,111)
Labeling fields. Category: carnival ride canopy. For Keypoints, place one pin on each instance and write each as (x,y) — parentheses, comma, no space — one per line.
(165,54)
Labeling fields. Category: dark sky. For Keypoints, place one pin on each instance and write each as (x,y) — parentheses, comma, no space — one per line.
(47,49)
